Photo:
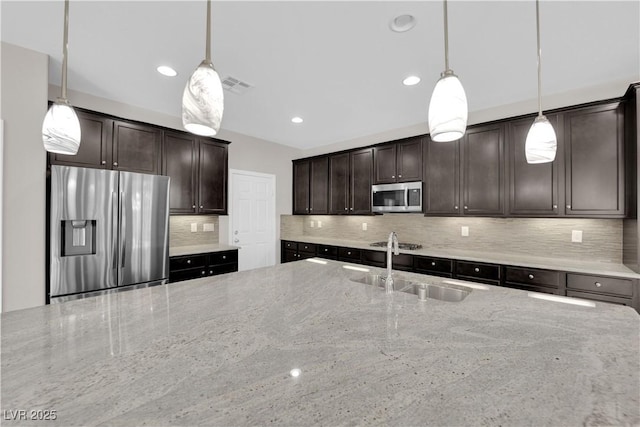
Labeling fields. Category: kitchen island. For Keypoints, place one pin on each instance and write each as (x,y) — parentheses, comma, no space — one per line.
(303,344)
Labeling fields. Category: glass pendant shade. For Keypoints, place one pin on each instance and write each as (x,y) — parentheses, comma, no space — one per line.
(541,143)
(61,129)
(448,109)
(203,101)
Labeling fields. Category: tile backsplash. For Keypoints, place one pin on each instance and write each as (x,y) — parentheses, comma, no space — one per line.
(181,234)
(544,237)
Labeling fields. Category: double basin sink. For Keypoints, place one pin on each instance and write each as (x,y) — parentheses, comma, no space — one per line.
(423,290)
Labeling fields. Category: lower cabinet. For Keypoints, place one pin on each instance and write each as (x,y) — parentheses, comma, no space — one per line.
(478,272)
(188,267)
(294,251)
(529,279)
(600,288)
(433,266)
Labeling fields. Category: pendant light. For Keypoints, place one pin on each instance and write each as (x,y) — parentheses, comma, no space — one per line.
(448,106)
(203,100)
(541,143)
(61,127)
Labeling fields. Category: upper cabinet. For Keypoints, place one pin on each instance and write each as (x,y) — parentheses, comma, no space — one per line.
(398,162)
(197,166)
(594,168)
(350,182)
(311,186)
(95,143)
(466,177)
(482,150)
(534,189)
(136,147)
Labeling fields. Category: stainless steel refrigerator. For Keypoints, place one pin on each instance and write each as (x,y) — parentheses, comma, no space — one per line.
(108,230)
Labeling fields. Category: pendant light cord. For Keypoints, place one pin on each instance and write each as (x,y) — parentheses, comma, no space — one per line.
(446,38)
(539,60)
(65,42)
(207,54)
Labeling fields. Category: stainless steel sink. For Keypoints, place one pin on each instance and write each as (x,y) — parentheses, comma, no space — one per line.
(423,290)
(379,279)
(442,293)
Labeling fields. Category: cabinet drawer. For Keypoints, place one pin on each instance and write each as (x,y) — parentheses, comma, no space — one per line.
(225,257)
(307,247)
(186,262)
(432,265)
(402,262)
(349,254)
(606,285)
(286,244)
(531,276)
(221,269)
(598,297)
(289,256)
(490,272)
(374,258)
(180,275)
(325,251)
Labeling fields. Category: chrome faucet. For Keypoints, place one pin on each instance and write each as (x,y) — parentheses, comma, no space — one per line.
(392,243)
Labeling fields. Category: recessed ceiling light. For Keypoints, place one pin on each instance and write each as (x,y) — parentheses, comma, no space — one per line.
(411,80)
(402,23)
(165,70)
(297,120)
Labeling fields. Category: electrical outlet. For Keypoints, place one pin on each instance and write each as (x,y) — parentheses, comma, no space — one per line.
(576,236)
(194,227)
(319,224)
(364,226)
(312,224)
(464,231)
(208,226)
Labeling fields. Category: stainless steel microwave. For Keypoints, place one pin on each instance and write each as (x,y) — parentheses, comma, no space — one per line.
(400,197)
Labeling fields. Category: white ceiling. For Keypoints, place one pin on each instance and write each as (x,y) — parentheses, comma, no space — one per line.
(336,64)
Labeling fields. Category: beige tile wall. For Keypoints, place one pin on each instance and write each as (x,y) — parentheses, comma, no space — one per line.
(180,230)
(546,237)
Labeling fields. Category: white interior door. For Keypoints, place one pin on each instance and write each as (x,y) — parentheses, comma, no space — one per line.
(253,218)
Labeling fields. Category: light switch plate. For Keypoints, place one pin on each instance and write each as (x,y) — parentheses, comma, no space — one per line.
(319,224)
(194,227)
(464,231)
(576,236)
(364,226)
(312,224)
(208,226)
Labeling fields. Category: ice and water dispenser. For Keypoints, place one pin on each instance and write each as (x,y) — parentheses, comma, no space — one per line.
(78,237)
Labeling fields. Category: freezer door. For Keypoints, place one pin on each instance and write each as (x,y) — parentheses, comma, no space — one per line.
(82,241)
(144,228)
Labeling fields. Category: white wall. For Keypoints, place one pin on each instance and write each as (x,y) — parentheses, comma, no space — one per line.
(23,107)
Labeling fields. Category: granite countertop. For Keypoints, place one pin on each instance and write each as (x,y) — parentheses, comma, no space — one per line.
(200,249)
(220,351)
(520,260)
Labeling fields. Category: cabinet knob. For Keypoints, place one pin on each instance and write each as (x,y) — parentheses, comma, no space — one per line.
(194,206)
(399,176)
(466,207)
(346,209)
(202,273)
(531,277)
(188,261)
(433,263)
(115,163)
(568,206)
(104,162)
(307,209)
(326,250)
(351,208)
(555,206)
(310,209)
(201,206)
(224,257)
(393,176)
(455,207)
(598,284)
(477,270)
(210,271)
(348,253)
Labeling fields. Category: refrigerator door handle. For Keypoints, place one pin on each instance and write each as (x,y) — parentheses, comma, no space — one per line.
(123,240)
(114,232)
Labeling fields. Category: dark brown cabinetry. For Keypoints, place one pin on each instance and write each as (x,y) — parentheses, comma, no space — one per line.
(311,186)
(136,147)
(482,150)
(350,177)
(595,161)
(434,266)
(534,189)
(600,288)
(479,272)
(95,144)
(202,265)
(198,171)
(442,177)
(295,251)
(398,162)
(537,280)
(114,144)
